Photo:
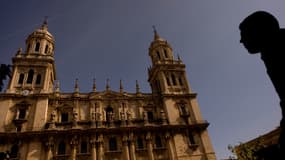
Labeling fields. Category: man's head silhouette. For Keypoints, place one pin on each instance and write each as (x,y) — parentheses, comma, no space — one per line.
(258,31)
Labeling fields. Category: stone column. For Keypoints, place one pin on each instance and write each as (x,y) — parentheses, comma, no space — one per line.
(93,148)
(163,117)
(73,144)
(49,144)
(123,118)
(93,119)
(100,147)
(132,147)
(126,148)
(98,119)
(170,148)
(149,146)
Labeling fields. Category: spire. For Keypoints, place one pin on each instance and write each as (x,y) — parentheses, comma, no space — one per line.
(178,57)
(156,36)
(121,86)
(20,50)
(76,88)
(45,24)
(107,85)
(94,85)
(137,87)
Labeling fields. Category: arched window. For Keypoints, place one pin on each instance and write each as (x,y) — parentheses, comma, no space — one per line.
(37,48)
(46,49)
(173,79)
(165,53)
(113,144)
(61,148)
(168,81)
(140,143)
(158,142)
(38,79)
(183,110)
(109,113)
(83,147)
(14,151)
(30,76)
(180,81)
(21,78)
(191,138)
(158,55)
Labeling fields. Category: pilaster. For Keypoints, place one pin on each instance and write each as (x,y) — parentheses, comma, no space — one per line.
(149,146)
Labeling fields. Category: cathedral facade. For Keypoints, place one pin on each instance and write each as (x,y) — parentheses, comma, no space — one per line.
(39,122)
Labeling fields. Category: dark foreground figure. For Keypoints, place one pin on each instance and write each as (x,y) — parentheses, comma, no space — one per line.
(260,33)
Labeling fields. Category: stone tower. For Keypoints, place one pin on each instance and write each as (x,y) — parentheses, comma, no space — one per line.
(168,80)
(37,121)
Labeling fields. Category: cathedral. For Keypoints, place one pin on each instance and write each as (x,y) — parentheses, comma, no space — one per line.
(39,122)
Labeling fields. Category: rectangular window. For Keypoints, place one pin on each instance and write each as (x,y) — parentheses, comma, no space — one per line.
(150,116)
(113,144)
(22,113)
(83,147)
(158,142)
(64,117)
(140,143)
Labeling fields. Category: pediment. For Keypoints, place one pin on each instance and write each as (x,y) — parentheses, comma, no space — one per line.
(109,94)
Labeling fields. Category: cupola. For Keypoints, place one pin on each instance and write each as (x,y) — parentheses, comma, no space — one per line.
(159,49)
(40,41)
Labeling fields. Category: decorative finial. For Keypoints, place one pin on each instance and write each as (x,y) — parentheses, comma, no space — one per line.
(107,84)
(121,86)
(137,87)
(45,23)
(156,36)
(76,88)
(178,57)
(94,85)
(19,51)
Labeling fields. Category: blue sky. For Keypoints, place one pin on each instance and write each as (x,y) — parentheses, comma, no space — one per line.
(110,39)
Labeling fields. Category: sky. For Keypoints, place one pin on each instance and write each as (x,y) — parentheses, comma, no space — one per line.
(110,39)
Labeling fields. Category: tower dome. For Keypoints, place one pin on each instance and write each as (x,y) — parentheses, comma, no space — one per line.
(40,41)
(160,50)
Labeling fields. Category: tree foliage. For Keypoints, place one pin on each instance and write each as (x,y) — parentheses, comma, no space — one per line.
(247,151)
(4,72)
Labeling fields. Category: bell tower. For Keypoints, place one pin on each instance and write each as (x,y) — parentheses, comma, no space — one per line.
(34,69)
(170,87)
(167,74)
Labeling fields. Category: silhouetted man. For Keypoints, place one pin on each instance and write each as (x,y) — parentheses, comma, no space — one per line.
(260,33)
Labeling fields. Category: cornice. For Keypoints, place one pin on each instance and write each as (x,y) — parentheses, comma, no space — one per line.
(198,126)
